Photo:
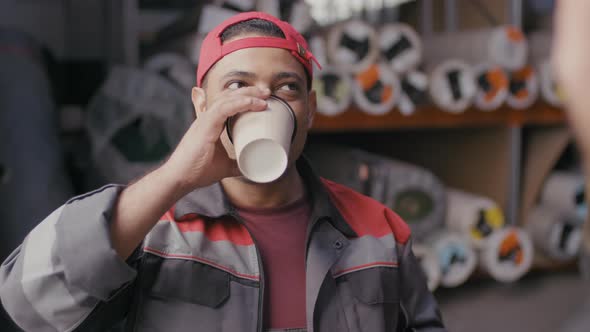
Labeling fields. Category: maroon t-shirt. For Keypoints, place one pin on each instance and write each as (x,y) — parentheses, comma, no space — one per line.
(280,236)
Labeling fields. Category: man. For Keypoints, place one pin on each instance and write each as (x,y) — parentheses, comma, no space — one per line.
(195,246)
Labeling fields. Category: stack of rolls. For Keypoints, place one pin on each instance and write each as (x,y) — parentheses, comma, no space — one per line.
(505,253)
(555,224)
(498,57)
(540,45)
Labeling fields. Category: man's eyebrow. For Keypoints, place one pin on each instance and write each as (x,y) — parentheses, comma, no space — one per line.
(288,74)
(239,73)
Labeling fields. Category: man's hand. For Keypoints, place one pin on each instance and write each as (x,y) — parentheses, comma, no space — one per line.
(200,159)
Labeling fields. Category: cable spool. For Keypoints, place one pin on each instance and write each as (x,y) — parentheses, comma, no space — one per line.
(472,215)
(524,88)
(414,86)
(505,46)
(134,121)
(565,192)
(412,192)
(452,86)
(376,90)
(237,5)
(334,91)
(428,260)
(297,13)
(353,46)
(400,46)
(492,86)
(507,255)
(317,45)
(550,90)
(553,233)
(456,257)
(174,67)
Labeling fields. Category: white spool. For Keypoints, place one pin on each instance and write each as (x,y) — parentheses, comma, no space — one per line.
(411,191)
(540,55)
(564,191)
(507,255)
(334,91)
(211,16)
(317,45)
(401,47)
(428,260)
(363,49)
(456,257)
(504,46)
(414,86)
(156,110)
(492,86)
(554,234)
(297,13)
(175,67)
(452,86)
(524,88)
(241,5)
(376,90)
(473,215)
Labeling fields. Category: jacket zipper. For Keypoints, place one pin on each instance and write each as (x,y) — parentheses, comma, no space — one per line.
(260,324)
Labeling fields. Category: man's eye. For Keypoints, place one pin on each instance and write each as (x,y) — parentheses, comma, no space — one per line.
(236,85)
(289,87)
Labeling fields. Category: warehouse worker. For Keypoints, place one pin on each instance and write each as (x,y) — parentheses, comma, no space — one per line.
(571,60)
(195,246)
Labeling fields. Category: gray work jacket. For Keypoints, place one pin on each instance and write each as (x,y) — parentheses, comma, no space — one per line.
(199,269)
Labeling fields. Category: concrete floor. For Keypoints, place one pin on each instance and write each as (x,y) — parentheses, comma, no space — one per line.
(541,302)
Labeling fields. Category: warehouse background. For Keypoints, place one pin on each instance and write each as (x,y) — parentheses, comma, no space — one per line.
(446,111)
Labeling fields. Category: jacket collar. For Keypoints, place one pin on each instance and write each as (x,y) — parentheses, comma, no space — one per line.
(212,202)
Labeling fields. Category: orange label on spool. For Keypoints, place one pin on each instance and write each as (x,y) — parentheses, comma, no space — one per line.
(514,34)
(522,94)
(511,244)
(523,74)
(369,77)
(387,93)
(498,81)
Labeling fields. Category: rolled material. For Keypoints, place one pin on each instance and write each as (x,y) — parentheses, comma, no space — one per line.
(237,5)
(33,177)
(507,255)
(456,257)
(428,260)
(505,46)
(555,234)
(353,46)
(524,88)
(400,46)
(334,91)
(452,86)
(176,68)
(297,13)
(134,121)
(472,215)
(414,86)
(550,91)
(412,192)
(317,45)
(376,90)
(565,192)
(492,86)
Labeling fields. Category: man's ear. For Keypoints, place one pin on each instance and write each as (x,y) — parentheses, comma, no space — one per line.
(312,106)
(199,99)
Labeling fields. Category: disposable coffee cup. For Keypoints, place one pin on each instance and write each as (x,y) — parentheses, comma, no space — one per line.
(262,140)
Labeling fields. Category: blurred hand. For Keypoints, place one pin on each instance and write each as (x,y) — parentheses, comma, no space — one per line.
(200,159)
(571,61)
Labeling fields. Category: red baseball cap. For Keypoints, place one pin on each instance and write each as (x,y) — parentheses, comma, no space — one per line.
(212,49)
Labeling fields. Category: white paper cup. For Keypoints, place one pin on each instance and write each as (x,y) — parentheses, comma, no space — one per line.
(262,140)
